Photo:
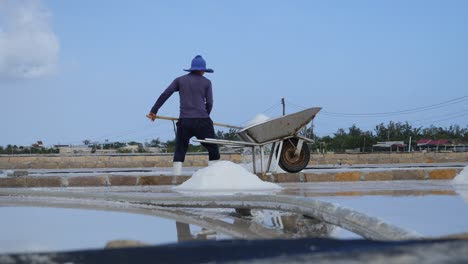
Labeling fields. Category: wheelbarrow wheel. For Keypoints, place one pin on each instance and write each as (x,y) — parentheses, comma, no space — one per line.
(290,162)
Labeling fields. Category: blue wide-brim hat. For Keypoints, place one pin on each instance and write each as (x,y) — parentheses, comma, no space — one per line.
(199,64)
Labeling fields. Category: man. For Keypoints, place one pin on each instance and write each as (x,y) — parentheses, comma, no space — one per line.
(196,102)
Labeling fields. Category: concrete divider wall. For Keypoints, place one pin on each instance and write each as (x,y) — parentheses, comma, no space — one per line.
(201,159)
(104,161)
(109,179)
(384,158)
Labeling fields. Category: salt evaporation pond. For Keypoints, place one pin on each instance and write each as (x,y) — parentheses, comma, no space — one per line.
(41,229)
(33,229)
(429,215)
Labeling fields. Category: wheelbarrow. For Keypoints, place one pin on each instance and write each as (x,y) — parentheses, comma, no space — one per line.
(283,134)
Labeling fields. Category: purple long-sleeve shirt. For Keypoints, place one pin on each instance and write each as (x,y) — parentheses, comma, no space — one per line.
(195,94)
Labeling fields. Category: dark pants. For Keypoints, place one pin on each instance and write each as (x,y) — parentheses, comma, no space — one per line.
(200,128)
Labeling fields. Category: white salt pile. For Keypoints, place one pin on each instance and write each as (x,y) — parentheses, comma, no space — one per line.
(462,177)
(225,176)
(260,118)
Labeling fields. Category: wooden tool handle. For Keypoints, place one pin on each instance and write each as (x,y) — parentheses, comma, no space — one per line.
(173,119)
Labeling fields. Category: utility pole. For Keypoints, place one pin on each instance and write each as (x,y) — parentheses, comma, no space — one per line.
(284,106)
(312,130)
(364,148)
(409,144)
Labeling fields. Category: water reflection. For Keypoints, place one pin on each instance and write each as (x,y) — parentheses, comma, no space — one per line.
(34,229)
(289,225)
(256,224)
(380,188)
(302,226)
(430,215)
(462,191)
(184,233)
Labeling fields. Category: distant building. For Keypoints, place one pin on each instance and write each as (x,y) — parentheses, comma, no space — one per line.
(131,148)
(354,150)
(436,145)
(105,151)
(155,149)
(69,149)
(390,146)
(38,144)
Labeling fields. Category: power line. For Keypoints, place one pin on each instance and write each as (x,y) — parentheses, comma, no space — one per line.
(381,114)
(407,111)
(267,110)
(455,114)
(132,133)
(426,122)
(450,118)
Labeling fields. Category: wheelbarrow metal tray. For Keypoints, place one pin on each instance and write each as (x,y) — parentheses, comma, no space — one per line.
(278,128)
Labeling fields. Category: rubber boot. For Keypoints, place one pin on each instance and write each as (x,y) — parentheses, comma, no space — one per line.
(177,168)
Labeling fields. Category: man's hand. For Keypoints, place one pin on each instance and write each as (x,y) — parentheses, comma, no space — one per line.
(151,116)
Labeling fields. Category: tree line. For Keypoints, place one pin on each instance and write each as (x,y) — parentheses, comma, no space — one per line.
(14,149)
(354,137)
(343,139)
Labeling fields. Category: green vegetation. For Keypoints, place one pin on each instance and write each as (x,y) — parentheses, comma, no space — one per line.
(352,138)
(355,138)
(13,149)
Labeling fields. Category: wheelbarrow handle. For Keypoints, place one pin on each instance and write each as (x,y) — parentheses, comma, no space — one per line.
(164,117)
(216,124)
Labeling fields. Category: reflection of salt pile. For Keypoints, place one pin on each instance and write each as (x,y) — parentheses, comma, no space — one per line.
(461,184)
(462,177)
(225,176)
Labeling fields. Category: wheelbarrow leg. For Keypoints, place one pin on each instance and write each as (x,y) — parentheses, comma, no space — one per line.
(262,156)
(278,154)
(299,147)
(268,168)
(253,161)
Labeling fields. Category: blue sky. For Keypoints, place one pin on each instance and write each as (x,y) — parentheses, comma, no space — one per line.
(93,69)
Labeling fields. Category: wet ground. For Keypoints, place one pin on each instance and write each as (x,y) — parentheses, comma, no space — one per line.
(29,223)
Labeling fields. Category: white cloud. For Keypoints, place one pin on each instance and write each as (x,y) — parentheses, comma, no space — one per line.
(28,46)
